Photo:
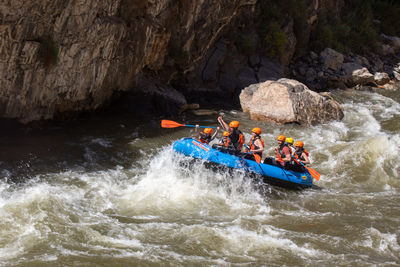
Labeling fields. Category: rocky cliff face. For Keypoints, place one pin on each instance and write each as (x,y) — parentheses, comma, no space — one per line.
(60,56)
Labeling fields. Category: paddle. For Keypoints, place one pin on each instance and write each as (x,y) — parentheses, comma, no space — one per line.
(313,172)
(256,156)
(174,124)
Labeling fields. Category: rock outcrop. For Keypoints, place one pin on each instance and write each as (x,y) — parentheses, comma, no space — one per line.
(288,101)
(60,56)
(332,59)
(335,70)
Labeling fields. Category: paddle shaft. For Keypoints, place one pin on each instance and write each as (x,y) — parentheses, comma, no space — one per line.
(194,126)
(174,124)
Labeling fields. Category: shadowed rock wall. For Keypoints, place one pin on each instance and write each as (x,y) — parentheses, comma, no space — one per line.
(61,56)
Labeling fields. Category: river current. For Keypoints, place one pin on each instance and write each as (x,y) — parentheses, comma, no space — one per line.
(110,191)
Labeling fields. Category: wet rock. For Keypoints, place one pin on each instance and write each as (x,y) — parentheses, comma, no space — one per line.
(288,101)
(355,74)
(190,106)
(331,59)
(362,77)
(381,78)
(204,112)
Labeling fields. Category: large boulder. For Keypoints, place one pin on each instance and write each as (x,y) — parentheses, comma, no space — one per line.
(288,101)
(355,74)
(332,59)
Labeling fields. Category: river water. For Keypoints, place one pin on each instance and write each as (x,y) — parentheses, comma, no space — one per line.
(110,191)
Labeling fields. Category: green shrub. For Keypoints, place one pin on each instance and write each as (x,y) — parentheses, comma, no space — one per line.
(275,41)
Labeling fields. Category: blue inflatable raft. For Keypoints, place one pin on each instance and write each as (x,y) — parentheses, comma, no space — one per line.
(271,174)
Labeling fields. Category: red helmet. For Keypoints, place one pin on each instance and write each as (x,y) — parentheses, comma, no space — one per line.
(299,144)
(281,138)
(234,124)
(225,133)
(208,130)
(256,130)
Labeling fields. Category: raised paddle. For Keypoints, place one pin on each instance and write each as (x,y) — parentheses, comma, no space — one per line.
(313,172)
(174,124)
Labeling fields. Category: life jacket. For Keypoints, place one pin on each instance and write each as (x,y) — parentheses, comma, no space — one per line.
(204,138)
(237,139)
(299,154)
(225,142)
(253,146)
(278,151)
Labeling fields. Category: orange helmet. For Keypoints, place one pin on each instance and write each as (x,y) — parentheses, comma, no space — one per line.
(256,130)
(225,133)
(281,138)
(234,124)
(208,130)
(299,144)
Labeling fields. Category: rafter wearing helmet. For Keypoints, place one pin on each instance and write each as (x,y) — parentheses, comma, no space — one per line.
(301,154)
(206,135)
(256,143)
(235,135)
(282,151)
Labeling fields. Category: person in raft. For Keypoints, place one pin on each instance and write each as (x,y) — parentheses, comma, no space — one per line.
(225,141)
(289,142)
(256,144)
(235,135)
(205,136)
(282,152)
(301,154)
